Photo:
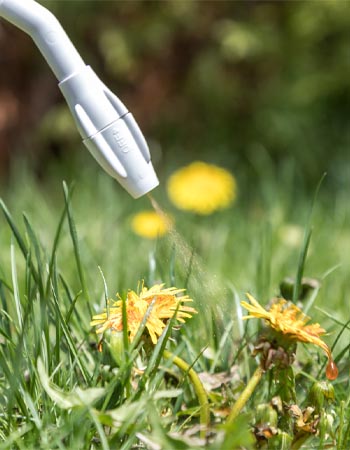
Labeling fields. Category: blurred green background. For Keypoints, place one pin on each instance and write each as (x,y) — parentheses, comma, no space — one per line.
(233,83)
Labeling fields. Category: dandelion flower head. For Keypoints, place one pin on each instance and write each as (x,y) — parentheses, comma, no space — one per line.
(165,302)
(288,320)
(149,224)
(202,188)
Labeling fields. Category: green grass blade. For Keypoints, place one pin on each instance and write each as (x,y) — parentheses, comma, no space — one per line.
(100,430)
(72,303)
(305,245)
(72,307)
(125,326)
(74,237)
(6,284)
(34,241)
(301,265)
(105,289)
(69,339)
(157,353)
(241,331)
(142,327)
(14,229)
(18,237)
(56,242)
(16,288)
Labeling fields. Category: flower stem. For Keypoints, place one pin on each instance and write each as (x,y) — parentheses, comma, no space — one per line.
(299,441)
(245,395)
(204,416)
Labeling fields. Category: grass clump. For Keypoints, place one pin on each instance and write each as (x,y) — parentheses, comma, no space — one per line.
(215,382)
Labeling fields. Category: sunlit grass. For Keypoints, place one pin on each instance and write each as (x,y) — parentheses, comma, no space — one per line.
(74,246)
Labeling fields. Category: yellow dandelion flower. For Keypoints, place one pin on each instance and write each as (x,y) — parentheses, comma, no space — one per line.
(202,188)
(149,224)
(165,302)
(287,319)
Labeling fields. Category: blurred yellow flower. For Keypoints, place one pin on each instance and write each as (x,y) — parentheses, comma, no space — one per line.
(149,224)
(287,319)
(165,302)
(202,188)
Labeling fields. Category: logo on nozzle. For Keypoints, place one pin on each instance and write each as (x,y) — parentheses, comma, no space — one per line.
(121,140)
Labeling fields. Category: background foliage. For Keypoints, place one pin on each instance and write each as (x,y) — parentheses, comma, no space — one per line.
(232,82)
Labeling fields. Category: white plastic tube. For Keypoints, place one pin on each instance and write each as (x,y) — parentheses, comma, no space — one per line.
(108,130)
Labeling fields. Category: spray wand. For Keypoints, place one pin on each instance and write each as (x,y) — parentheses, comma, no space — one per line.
(108,129)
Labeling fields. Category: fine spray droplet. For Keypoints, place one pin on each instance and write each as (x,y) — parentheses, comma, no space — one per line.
(331,370)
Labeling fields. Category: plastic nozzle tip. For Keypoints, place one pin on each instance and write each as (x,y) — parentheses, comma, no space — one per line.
(143,185)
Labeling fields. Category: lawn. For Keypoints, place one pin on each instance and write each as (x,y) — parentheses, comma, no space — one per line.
(215,381)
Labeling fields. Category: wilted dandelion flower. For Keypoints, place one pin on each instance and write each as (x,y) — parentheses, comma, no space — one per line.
(288,320)
(149,224)
(202,188)
(165,302)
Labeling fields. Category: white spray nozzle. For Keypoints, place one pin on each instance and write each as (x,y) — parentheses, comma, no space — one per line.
(108,130)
